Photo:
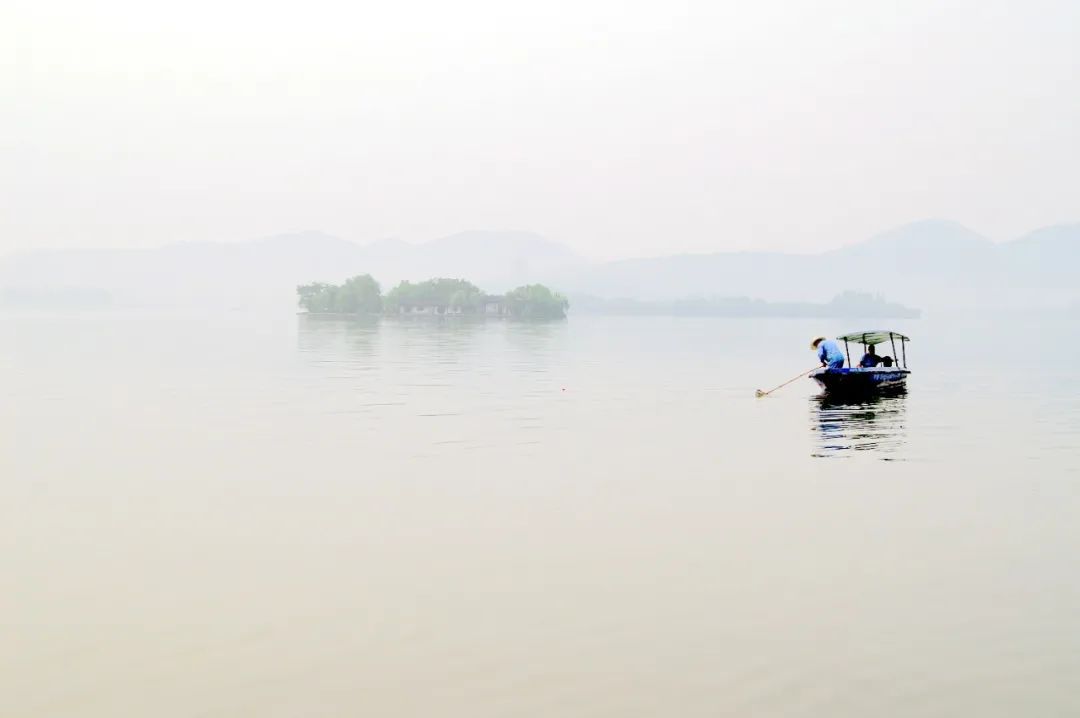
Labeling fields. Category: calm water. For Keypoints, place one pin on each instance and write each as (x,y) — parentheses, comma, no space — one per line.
(268,517)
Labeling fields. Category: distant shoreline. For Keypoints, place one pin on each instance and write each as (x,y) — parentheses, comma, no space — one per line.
(427,317)
(847,305)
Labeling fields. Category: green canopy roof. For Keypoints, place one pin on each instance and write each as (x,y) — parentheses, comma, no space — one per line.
(874,336)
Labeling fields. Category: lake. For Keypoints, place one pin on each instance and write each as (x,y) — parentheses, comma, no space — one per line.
(283,516)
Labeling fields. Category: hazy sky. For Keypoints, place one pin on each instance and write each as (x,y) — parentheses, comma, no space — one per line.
(619,127)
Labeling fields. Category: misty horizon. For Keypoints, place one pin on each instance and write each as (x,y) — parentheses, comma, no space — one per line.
(931,265)
(317,232)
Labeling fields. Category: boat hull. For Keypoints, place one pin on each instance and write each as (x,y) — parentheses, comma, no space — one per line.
(861,381)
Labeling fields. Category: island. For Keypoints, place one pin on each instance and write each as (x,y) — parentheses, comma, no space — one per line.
(362,295)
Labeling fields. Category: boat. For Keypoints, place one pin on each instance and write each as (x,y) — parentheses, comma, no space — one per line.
(890,376)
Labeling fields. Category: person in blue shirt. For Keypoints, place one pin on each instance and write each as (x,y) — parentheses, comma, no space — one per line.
(870,358)
(828,351)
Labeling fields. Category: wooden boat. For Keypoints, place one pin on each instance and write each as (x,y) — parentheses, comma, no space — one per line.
(889,376)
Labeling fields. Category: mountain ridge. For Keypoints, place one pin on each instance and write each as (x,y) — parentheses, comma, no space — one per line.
(925,262)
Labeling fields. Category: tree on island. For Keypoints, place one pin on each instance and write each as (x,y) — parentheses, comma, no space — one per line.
(535,301)
(358,295)
(361,295)
(457,294)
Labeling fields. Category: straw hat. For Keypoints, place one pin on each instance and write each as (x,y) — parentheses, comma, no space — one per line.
(819,340)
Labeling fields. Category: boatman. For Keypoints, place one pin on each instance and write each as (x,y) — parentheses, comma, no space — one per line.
(828,351)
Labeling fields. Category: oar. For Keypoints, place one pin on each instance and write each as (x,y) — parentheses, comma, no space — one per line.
(759,393)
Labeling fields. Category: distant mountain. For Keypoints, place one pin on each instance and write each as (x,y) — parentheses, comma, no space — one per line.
(728,274)
(933,262)
(499,259)
(208,273)
(1050,255)
(848,305)
(267,270)
(929,247)
(1059,240)
(926,237)
(59,298)
(930,264)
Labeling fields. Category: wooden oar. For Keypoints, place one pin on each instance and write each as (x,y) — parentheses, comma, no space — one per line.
(759,393)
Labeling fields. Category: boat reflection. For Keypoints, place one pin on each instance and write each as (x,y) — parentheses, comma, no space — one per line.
(875,424)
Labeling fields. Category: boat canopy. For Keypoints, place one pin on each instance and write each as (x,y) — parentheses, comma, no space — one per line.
(876,336)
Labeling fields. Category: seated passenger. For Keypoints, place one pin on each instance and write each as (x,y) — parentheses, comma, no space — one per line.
(887,361)
(870,358)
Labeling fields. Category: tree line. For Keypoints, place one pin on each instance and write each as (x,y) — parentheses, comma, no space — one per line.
(363,295)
